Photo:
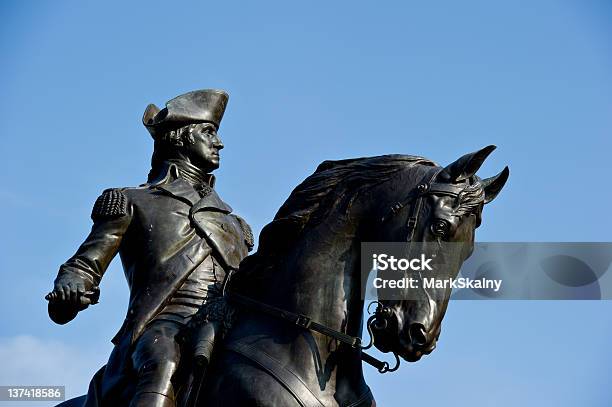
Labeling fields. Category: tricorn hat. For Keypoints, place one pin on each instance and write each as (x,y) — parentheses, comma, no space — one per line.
(199,106)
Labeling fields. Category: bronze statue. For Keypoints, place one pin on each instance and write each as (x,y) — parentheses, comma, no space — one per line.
(285,323)
(176,239)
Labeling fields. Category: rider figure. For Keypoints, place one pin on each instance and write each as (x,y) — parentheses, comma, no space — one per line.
(176,238)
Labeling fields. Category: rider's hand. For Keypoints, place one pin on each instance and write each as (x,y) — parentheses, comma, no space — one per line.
(73,291)
(71,294)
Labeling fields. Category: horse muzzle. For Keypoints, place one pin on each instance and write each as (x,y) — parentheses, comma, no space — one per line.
(416,343)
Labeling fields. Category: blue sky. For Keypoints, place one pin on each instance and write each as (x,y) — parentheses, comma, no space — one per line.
(309,82)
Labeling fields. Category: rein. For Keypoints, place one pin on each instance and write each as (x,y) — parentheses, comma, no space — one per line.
(306,322)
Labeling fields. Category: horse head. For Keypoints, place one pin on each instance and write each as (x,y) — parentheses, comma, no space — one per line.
(444,208)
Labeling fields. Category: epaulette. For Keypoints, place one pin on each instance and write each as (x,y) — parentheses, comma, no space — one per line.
(111,204)
(246,231)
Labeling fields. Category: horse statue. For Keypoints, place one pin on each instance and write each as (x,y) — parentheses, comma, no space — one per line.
(297,304)
(295,340)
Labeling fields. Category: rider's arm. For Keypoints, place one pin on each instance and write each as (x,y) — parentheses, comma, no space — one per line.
(112,215)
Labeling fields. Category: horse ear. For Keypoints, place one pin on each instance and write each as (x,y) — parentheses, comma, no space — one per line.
(493,185)
(466,166)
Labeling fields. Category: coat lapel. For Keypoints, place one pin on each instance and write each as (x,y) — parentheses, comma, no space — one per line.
(209,215)
(182,190)
(224,234)
(211,201)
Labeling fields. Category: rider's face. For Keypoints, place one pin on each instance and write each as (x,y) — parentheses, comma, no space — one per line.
(204,152)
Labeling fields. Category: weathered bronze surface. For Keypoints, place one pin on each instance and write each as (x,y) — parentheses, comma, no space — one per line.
(286,326)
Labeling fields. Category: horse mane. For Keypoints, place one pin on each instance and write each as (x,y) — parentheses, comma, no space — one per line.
(333,185)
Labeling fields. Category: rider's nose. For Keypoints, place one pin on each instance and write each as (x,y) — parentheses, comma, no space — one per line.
(418,335)
(218,143)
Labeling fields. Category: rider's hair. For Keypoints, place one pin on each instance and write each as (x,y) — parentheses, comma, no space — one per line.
(166,145)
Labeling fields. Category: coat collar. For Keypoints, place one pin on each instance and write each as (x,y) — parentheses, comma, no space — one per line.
(171,170)
(177,187)
(171,183)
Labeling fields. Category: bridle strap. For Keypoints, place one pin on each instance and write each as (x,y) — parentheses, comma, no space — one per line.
(418,193)
(413,217)
(300,320)
(427,186)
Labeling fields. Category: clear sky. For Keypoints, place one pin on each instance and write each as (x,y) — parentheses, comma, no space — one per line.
(310,81)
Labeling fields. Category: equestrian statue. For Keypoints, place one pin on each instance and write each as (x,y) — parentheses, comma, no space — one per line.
(209,325)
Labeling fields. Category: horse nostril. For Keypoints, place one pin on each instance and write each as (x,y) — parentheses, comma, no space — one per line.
(418,335)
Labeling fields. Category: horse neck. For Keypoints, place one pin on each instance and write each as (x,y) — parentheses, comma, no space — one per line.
(320,279)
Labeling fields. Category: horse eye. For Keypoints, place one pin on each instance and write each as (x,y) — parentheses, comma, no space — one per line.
(440,227)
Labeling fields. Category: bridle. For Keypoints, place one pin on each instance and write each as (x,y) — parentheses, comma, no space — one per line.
(427,186)
(379,318)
